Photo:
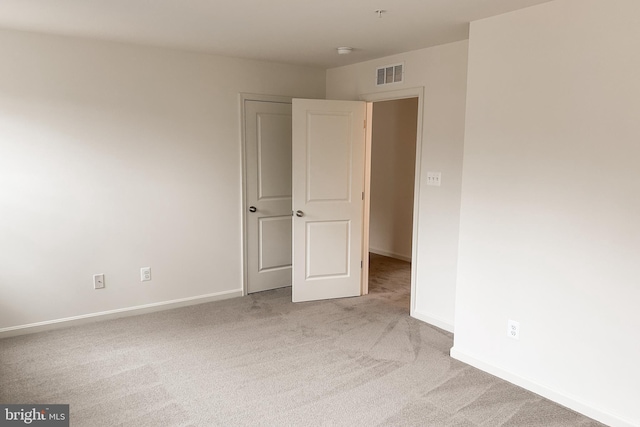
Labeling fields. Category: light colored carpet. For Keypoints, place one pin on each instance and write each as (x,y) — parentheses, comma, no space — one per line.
(264,361)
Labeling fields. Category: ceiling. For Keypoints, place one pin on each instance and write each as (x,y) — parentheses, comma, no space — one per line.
(305,32)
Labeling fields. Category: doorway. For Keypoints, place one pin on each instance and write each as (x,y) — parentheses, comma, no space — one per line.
(394,132)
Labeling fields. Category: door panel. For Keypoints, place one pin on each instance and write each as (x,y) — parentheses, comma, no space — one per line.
(274,153)
(268,189)
(274,242)
(328,157)
(322,263)
(328,180)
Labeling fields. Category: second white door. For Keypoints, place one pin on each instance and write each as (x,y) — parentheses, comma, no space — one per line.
(328,185)
(268,194)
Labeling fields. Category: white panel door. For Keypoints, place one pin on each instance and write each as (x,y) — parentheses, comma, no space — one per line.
(328,183)
(268,194)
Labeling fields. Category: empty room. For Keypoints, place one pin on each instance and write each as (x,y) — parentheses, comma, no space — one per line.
(190,192)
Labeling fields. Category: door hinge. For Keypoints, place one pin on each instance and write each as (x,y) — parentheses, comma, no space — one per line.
(363,195)
(360,263)
(365,124)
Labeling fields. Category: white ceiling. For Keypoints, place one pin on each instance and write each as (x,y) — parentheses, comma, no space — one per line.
(292,31)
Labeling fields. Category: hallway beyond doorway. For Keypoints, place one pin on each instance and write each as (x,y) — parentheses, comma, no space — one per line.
(390,279)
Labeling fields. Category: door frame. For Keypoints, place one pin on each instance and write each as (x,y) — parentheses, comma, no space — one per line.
(370,98)
(242,97)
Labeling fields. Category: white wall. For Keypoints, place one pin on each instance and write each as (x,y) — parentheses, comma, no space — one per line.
(442,71)
(115,157)
(393,156)
(550,219)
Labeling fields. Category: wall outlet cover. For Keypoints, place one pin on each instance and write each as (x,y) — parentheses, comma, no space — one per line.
(513,329)
(98,281)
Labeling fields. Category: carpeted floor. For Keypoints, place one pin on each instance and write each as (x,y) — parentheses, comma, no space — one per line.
(264,361)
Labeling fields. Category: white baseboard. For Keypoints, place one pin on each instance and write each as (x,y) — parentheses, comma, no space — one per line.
(114,314)
(390,254)
(433,320)
(544,391)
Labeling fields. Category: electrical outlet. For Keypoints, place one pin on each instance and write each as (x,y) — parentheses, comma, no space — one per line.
(434,178)
(513,329)
(98,281)
(145,274)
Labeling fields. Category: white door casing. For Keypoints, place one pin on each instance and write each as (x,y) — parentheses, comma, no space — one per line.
(414,92)
(268,194)
(328,185)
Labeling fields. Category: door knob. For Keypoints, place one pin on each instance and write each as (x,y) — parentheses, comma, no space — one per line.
(252,209)
(299,214)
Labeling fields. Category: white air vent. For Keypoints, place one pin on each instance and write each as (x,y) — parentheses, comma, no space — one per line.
(390,74)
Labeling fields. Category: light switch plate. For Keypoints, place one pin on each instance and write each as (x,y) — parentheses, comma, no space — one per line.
(434,178)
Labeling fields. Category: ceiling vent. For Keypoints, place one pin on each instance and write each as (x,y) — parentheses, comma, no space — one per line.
(390,74)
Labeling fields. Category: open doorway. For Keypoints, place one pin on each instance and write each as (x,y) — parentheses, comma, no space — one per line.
(392,186)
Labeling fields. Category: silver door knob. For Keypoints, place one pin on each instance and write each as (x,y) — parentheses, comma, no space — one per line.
(299,214)
(252,209)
